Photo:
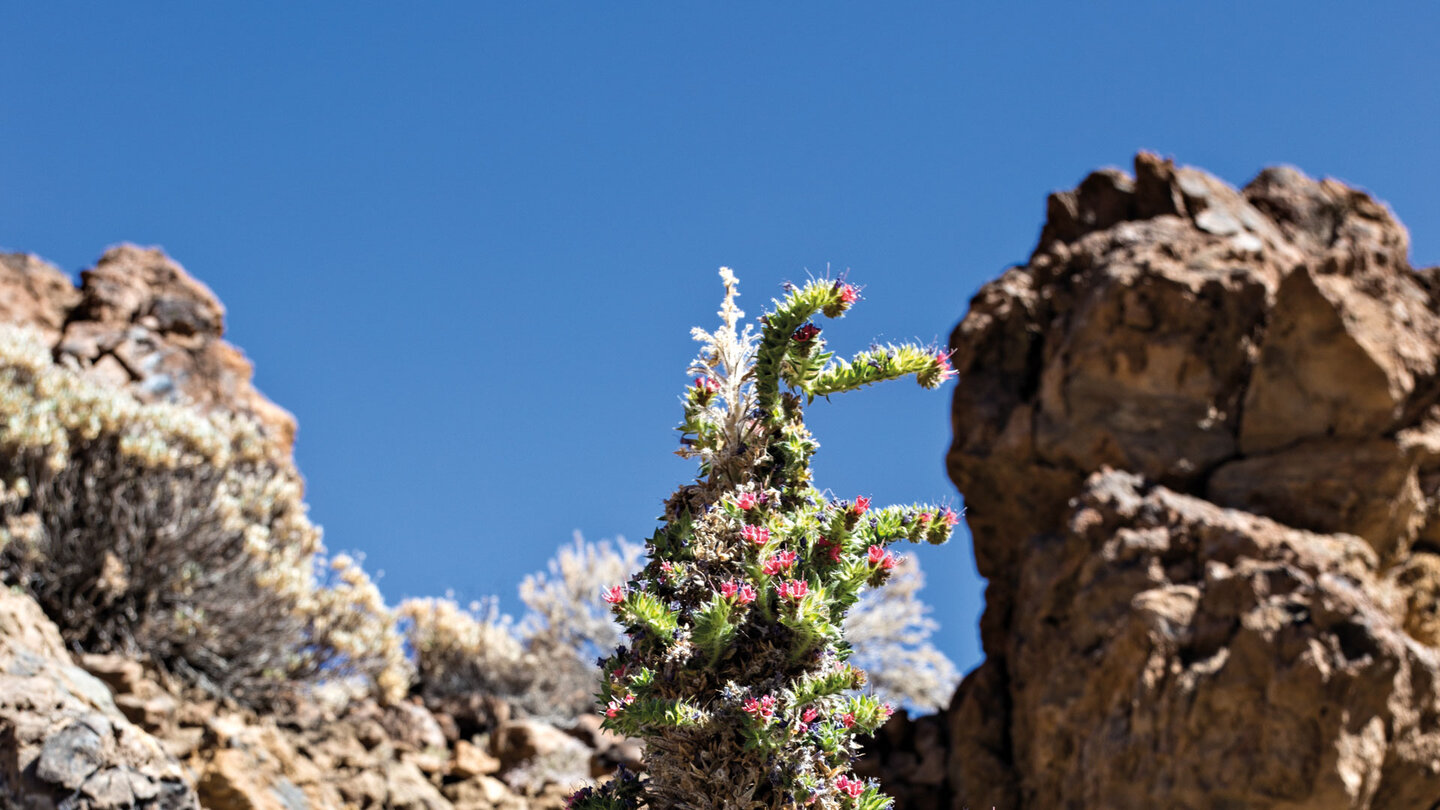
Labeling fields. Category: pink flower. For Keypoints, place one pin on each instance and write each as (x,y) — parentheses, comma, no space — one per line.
(728,588)
(942,360)
(881,557)
(948,515)
(794,589)
(862,503)
(887,709)
(614,595)
(747,500)
(783,561)
(926,517)
(745,595)
(810,715)
(759,535)
(848,294)
(806,333)
(850,787)
(706,385)
(847,719)
(614,707)
(764,706)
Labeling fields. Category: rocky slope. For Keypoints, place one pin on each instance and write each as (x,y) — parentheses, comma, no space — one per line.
(1198,436)
(109,731)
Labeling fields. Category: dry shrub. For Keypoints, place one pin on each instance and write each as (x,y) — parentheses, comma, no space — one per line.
(545,666)
(159,530)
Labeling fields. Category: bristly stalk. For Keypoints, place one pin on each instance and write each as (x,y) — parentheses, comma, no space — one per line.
(736,663)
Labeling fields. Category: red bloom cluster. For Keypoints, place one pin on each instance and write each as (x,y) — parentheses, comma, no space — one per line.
(614,595)
(783,561)
(834,548)
(847,719)
(794,589)
(948,515)
(764,706)
(809,715)
(850,787)
(806,333)
(759,535)
(942,359)
(742,593)
(862,504)
(881,557)
(707,385)
(848,294)
(746,500)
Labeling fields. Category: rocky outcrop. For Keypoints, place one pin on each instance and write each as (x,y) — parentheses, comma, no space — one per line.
(1198,436)
(140,322)
(63,741)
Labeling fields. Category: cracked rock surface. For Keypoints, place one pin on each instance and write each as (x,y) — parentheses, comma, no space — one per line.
(1198,436)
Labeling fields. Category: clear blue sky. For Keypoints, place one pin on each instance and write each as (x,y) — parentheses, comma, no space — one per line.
(465,242)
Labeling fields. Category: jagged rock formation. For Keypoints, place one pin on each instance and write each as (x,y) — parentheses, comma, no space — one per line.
(138,321)
(1198,436)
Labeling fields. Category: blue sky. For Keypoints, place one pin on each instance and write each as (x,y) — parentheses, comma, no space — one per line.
(464,243)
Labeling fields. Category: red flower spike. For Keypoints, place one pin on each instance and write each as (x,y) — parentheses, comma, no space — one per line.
(848,294)
(948,515)
(728,588)
(806,333)
(759,535)
(746,594)
(862,503)
(614,595)
(746,500)
(810,715)
(707,385)
(847,719)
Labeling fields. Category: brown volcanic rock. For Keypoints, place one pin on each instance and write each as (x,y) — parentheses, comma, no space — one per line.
(1267,350)
(139,321)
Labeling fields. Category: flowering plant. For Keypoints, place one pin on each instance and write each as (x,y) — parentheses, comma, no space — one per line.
(736,672)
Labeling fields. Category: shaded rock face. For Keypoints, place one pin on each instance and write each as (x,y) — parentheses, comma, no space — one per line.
(1198,436)
(140,322)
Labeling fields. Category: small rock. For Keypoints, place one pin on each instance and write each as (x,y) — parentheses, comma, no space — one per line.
(70,756)
(470,760)
(230,782)
(121,674)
